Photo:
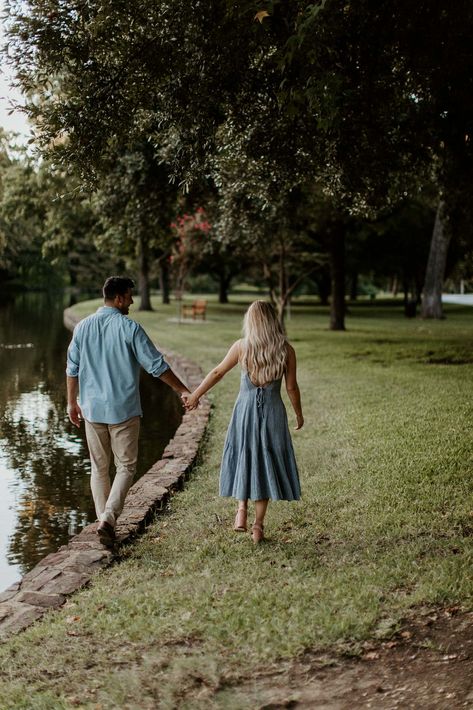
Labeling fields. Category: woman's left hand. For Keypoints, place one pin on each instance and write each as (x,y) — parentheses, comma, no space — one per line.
(300,422)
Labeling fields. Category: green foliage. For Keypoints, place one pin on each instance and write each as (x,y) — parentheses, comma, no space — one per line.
(47,226)
(72,231)
(22,215)
(201,254)
(395,246)
(392,88)
(135,202)
(361,101)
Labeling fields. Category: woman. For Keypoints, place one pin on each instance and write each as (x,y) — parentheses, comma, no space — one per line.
(258,458)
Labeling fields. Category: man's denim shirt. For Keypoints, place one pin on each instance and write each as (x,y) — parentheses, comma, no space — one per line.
(106,352)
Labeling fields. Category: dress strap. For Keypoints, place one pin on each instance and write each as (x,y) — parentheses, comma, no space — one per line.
(260,399)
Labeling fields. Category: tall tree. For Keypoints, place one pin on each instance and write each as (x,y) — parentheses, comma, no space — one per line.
(367,96)
(403,97)
(237,101)
(71,231)
(135,202)
(23,209)
(436,265)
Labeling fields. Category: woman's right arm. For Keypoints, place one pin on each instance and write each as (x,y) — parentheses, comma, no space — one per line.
(214,376)
(292,387)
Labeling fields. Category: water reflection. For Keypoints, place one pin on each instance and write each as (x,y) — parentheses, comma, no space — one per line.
(44,465)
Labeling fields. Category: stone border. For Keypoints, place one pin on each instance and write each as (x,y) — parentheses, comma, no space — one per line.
(61,573)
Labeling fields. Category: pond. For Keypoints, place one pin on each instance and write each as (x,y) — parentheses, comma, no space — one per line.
(44,465)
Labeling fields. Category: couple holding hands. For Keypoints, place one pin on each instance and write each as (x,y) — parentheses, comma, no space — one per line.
(104,359)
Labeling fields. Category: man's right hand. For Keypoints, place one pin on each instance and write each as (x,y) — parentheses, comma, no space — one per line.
(75,414)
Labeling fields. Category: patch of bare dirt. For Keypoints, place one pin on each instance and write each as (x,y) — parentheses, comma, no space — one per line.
(426,666)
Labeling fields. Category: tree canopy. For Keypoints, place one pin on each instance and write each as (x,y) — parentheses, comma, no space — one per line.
(363,103)
(366,92)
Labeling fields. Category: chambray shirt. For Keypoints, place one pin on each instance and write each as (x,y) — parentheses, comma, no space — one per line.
(106,352)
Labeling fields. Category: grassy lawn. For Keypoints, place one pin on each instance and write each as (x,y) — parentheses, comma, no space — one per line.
(385,525)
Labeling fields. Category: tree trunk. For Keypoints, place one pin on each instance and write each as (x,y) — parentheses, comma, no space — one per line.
(337,273)
(223,286)
(164,280)
(410,303)
(269,279)
(281,304)
(434,276)
(283,288)
(143,278)
(323,285)
(278,296)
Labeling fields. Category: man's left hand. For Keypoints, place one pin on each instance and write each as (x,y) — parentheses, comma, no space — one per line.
(75,414)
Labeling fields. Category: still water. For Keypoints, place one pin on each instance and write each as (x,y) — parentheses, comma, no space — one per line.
(44,465)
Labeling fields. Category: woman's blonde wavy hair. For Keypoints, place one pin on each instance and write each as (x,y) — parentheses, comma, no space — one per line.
(264,346)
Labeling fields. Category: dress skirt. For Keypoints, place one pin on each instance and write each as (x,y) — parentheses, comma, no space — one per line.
(258,457)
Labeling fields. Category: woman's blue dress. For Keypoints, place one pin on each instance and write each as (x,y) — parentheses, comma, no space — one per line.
(258,458)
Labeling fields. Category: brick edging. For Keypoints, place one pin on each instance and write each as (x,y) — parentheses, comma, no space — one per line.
(61,573)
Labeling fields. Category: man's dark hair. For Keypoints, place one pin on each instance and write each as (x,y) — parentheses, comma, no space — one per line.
(116,286)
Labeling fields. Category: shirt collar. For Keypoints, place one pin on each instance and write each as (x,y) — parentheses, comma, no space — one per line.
(109,309)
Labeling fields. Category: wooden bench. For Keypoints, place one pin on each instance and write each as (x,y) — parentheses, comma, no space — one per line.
(196,310)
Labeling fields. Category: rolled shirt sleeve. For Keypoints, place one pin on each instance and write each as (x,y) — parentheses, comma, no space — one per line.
(73,357)
(147,354)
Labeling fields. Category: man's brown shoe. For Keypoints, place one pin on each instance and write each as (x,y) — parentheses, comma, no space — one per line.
(106,534)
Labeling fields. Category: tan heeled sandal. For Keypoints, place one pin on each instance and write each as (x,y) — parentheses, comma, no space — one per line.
(240,520)
(257,533)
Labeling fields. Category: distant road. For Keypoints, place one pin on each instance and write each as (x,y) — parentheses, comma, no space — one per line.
(462,299)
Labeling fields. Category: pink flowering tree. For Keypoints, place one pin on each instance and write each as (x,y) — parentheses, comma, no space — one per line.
(191,233)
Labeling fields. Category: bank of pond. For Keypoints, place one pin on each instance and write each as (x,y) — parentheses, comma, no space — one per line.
(44,465)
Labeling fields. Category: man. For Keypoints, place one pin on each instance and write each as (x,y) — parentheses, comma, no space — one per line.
(104,359)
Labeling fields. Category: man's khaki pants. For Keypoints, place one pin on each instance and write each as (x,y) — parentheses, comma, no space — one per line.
(103,440)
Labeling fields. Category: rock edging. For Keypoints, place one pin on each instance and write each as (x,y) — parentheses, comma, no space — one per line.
(61,573)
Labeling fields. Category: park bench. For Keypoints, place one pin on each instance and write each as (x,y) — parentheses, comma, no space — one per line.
(196,310)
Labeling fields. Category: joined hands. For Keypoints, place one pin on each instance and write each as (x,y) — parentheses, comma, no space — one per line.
(189,402)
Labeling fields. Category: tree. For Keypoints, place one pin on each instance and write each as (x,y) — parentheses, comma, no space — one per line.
(363,98)
(47,226)
(71,230)
(392,250)
(135,202)
(198,250)
(22,217)
(96,75)
(190,236)
(101,71)
(274,238)
(403,98)
(262,199)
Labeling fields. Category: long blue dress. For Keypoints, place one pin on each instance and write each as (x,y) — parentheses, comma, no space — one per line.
(258,458)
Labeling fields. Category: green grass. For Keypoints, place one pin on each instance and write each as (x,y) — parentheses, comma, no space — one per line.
(385,525)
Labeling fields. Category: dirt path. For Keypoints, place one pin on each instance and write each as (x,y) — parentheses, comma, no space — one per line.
(428,665)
